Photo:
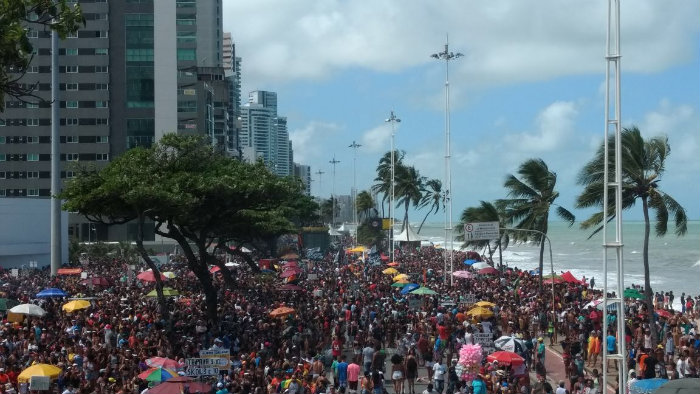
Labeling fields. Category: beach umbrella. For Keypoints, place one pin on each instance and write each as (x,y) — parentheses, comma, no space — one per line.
(290,264)
(231,264)
(480,312)
(664,313)
(282,312)
(488,271)
(7,303)
(75,305)
(96,281)
(469,262)
(290,272)
(510,344)
(480,265)
(49,370)
(593,303)
(570,278)
(149,276)
(400,283)
(162,362)
(214,269)
(290,287)
(633,293)
(507,358)
(167,291)
(680,386)
(409,287)
(357,249)
(157,374)
(169,274)
(393,264)
(462,274)
(390,271)
(28,309)
(423,291)
(646,386)
(52,292)
(485,304)
(177,385)
(290,256)
(400,276)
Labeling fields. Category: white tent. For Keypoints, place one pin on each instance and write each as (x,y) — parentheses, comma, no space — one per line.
(333,232)
(343,229)
(408,234)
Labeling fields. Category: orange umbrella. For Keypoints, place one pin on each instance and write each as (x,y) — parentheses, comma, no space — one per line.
(393,264)
(282,312)
(149,276)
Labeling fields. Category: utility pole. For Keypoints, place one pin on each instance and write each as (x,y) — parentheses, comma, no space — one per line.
(320,194)
(334,162)
(56,252)
(393,120)
(354,147)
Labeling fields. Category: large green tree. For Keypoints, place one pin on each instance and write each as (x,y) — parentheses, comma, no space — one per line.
(408,190)
(643,164)
(365,204)
(531,197)
(16,17)
(432,198)
(382,183)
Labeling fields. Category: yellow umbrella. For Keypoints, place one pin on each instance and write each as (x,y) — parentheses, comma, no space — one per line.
(400,276)
(282,312)
(480,312)
(390,271)
(485,304)
(49,370)
(357,249)
(169,274)
(403,281)
(167,292)
(75,305)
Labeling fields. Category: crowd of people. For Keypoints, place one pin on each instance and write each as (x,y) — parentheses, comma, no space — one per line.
(351,330)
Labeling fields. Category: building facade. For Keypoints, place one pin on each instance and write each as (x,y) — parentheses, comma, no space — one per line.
(303,172)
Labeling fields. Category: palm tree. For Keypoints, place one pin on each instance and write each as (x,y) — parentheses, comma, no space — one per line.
(532,197)
(643,164)
(383,179)
(485,212)
(432,197)
(408,189)
(364,203)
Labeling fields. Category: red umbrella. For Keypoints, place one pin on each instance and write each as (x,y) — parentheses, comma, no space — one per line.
(504,357)
(214,269)
(162,362)
(488,271)
(290,272)
(664,313)
(290,288)
(96,281)
(178,384)
(290,264)
(570,278)
(149,276)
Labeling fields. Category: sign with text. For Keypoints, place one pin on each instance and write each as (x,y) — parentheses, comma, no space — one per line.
(199,371)
(39,383)
(206,362)
(485,340)
(467,299)
(481,231)
(217,354)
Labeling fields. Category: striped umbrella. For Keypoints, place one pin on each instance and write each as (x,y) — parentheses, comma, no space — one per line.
(157,374)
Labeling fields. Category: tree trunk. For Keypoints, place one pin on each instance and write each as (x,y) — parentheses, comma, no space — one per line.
(246,257)
(500,253)
(405,219)
(424,218)
(648,294)
(224,271)
(542,241)
(156,272)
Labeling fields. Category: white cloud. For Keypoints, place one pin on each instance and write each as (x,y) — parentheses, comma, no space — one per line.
(553,127)
(520,41)
(308,141)
(680,124)
(378,139)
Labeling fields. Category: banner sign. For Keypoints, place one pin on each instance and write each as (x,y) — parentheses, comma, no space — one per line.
(485,340)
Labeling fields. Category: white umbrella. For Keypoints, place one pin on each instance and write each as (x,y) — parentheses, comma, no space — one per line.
(28,309)
(594,304)
(232,264)
(510,344)
(480,265)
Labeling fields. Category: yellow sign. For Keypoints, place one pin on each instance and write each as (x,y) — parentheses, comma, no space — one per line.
(386,224)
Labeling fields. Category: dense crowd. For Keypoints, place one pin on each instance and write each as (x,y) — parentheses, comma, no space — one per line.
(348,327)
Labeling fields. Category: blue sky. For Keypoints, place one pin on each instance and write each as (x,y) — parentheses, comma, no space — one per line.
(531,84)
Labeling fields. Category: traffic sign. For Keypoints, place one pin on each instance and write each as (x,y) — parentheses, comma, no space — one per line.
(481,231)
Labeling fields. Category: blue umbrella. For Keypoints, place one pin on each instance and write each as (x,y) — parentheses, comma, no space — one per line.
(469,262)
(52,292)
(409,288)
(646,385)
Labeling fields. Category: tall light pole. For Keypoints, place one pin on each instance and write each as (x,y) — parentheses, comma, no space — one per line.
(56,252)
(354,147)
(446,55)
(320,194)
(393,120)
(334,162)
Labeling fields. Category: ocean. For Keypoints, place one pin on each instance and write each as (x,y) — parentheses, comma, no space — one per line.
(674,261)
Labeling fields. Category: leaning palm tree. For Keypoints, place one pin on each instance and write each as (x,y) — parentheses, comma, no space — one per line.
(408,189)
(364,204)
(432,197)
(485,212)
(531,198)
(383,180)
(643,164)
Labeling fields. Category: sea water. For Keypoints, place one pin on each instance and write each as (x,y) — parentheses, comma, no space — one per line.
(674,262)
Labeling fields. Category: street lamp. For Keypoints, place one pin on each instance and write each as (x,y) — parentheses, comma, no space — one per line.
(354,147)
(393,120)
(446,55)
(320,194)
(334,162)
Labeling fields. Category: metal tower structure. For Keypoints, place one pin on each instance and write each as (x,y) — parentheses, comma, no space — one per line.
(393,120)
(446,55)
(612,182)
(320,193)
(354,147)
(334,162)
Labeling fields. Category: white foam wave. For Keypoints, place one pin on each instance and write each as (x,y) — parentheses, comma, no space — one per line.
(697,264)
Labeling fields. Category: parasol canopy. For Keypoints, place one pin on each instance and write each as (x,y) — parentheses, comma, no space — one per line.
(49,370)
(162,362)
(400,283)
(633,293)
(510,344)
(393,264)
(485,304)
(390,271)
(680,386)
(664,313)
(357,249)
(470,262)
(290,272)
(156,374)
(570,278)
(488,271)
(647,386)
(504,357)
(28,309)
(75,305)
(169,274)
(400,277)
(149,276)
(409,287)
(480,265)
(52,292)
(480,312)
(423,291)
(167,292)
(177,385)
(462,274)
(282,312)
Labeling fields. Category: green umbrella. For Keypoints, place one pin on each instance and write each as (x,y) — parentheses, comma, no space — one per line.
(6,303)
(167,291)
(633,293)
(399,284)
(423,291)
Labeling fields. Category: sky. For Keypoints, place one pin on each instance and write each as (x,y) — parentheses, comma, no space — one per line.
(531,84)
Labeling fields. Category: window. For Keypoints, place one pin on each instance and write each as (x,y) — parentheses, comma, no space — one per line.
(72,122)
(72,157)
(33,139)
(101,51)
(33,105)
(186,36)
(2,139)
(186,20)
(101,139)
(71,139)
(101,69)
(101,86)
(72,35)
(33,122)
(101,121)
(3,157)
(2,174)
(2,192)
(139,55)
(32,174)
(102,34)
(186,54)
(32,157)
(71,104)
(101,104)
(33,192)
(31,33)
(2,122)
(70,174)
(187,106)
(102,157)
(72,69)
(33,69)
(71,51)
(71,86)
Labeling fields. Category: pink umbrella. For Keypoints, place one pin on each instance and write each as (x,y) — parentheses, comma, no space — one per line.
(149,276)
(488,271)
(290,272)
(163,362)
(290,264)
(290,288)
(462,274)
(214,269)
(178,384)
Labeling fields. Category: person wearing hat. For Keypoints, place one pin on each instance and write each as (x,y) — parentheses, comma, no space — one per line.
(540,350)
(221,389)
(478,385)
